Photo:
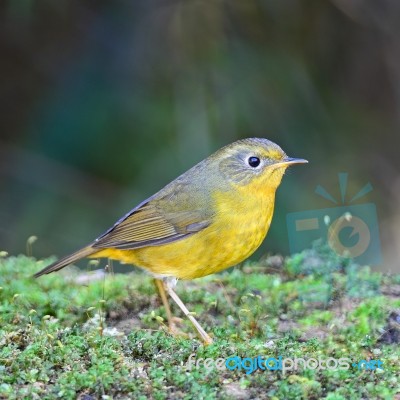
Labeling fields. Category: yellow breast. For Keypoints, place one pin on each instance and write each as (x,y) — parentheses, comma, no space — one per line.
(241,222)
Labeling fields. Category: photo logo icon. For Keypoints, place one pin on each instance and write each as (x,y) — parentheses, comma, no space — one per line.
(350,229)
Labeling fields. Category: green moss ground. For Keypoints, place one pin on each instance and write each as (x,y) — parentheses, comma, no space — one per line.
(107,339)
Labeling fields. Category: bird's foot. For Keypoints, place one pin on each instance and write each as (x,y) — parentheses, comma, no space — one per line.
(173,328)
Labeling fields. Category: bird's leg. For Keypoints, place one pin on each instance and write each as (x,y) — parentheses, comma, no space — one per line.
(161,289)
(206,338)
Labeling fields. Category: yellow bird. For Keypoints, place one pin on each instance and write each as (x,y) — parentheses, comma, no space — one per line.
(210,218)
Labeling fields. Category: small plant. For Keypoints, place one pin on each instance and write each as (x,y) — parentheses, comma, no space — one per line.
(61,338)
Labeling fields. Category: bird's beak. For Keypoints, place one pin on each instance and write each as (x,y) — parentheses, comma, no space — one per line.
(290,160)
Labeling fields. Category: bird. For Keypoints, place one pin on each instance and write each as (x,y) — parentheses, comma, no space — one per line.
(212,217)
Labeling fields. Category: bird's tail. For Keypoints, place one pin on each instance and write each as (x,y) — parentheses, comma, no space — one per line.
(63,262)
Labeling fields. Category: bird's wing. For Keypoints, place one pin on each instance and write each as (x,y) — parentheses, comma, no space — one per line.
(153,223)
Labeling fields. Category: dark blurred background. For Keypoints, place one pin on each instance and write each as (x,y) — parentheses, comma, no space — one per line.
(102,103)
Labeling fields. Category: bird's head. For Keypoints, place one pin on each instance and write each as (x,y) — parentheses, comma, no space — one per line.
(254,161)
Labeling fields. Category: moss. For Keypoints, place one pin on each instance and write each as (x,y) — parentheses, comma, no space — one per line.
(56,337)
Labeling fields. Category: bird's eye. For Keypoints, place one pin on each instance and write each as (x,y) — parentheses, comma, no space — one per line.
(254,162)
